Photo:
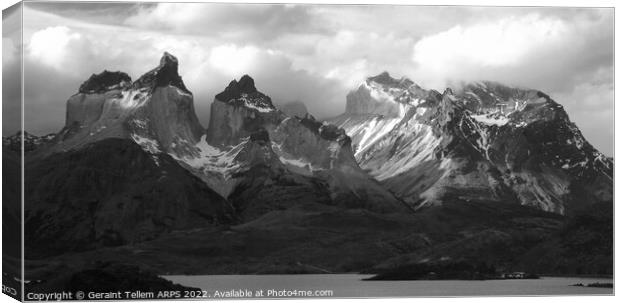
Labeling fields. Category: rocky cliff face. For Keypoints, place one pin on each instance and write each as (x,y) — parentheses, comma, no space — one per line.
(486,141)
(156,111)
(263,191)
(386,96)
(239,111)
(107,178)
(255,157)
(301,145)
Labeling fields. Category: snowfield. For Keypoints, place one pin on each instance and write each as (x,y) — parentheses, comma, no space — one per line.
(489,120)
(212,159)
(149,145)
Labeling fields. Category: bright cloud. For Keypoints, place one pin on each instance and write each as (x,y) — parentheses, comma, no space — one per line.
(233,60)
(316,54)
(50,45)
(233,22)
(528,50)
(505,42)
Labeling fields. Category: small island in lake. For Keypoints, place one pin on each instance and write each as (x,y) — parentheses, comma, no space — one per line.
(448,270)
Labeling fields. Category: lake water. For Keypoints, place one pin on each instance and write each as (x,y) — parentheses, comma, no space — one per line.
(352,286)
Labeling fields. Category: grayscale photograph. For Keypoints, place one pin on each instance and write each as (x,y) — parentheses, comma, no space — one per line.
(291,151)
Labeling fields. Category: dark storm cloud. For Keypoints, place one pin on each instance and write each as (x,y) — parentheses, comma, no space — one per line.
(234,22)
(95,12)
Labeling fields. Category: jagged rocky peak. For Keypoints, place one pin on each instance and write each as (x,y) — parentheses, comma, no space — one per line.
(244,93)
(491,141)
(167,73)
(169,60)
(246,85)
(105,81)
(485,96)
(235,89)
(156,111)
(388,96)
(496,104)
(385,79)
(268,145)
(403,90)
(238,111)
(500,90)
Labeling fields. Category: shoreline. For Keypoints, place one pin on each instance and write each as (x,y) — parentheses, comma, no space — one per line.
(371,275)
(578,276)
(351,285)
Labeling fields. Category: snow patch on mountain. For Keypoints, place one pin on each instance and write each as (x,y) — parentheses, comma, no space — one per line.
(130,99)
(149,145)
(414,148)
(183,92)
(371,131)
(295,164)
(213,159)
(491,119)
(299,166)
(262,106)
(140,123)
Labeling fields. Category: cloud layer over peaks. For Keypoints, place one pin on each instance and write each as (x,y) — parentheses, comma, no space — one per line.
(316,54)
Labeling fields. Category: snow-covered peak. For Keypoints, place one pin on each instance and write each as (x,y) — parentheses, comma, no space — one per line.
(244,93)
(400,90)
(488,95)
(384,95)
(385,80)
(513,143)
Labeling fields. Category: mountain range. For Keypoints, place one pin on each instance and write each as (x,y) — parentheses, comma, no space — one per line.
(486,141)
(404,175)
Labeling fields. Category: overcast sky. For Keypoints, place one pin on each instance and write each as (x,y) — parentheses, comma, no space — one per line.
(316,54)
